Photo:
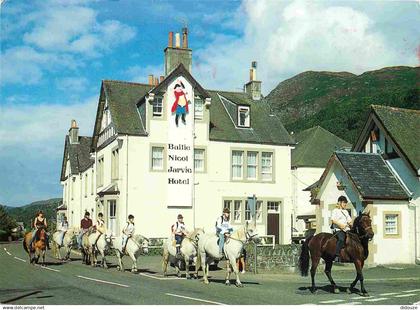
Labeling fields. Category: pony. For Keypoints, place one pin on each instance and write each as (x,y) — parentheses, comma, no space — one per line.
(99,242)
(136,245)
(209,250)
(67,243)
(188,251)
(355,250)
(87,250)
(39,246)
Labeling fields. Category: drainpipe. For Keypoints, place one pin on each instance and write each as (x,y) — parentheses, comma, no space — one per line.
(416,240)
(126,176)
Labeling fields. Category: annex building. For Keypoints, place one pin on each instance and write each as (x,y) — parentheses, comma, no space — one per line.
(172,146)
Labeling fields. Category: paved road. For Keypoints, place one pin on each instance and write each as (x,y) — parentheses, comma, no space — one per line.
(74,283)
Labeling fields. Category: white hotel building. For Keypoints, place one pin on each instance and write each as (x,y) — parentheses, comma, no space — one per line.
(140,162)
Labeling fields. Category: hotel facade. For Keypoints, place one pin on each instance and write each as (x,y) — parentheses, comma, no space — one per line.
(172,146)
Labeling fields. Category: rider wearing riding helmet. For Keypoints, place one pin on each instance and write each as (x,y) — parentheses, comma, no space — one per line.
(39,222)
(128,231)
(223,229)
(179,230)
(341,224)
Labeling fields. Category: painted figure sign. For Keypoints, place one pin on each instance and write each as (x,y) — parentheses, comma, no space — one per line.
(180,105)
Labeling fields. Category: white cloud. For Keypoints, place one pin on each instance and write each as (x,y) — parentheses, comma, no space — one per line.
(40,129)
(72,84)
(140,74)
(288,38)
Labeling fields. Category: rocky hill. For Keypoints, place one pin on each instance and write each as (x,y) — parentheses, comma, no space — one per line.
(339,101)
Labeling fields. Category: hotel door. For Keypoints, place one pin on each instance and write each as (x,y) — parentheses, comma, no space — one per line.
(273,219)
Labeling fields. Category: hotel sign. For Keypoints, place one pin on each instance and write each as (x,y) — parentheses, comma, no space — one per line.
(180,117)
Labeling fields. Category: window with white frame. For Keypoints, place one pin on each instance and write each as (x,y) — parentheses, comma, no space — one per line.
(199,158)
(91,181)
(157,158)
(198,108)
(247,211)
(251,165)
(112,216)
(86,184)
(100,172)
(267,166)
(157,106)
(73,180)
(243,116)
(237,211)
(237,164)
(114,164)
(391,224)
(228,204)
(273,206)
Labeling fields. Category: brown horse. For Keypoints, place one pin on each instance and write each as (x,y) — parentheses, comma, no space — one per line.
(38,247)
(355,250)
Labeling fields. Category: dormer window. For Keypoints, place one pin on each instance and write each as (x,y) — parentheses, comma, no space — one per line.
(243,116)
(157,106)
(198,108)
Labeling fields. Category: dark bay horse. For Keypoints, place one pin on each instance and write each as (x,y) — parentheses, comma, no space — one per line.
(322,246)
(38,247)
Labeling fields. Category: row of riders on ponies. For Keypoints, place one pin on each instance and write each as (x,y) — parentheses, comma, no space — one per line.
(347,243)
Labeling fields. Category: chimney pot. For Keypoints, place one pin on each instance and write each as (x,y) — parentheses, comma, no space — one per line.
(171,39)
(161,78)
(150,79)
(185,37)
(156,81)
(254,64)
(73,123)
(177,40)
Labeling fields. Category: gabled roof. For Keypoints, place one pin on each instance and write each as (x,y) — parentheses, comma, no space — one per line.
(314,147)
(180,70)
(78,154)
(369,174)
(403,127)
(264,128)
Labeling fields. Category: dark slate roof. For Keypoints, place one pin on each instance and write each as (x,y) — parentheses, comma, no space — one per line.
(371,176)
(122,100)
(315,146)
(79,156)
(265,128)
(403,126)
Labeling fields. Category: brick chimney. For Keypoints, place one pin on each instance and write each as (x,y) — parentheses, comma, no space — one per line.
(253,87)
(180,53)
(74,133)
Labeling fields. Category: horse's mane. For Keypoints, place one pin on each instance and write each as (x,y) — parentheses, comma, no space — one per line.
(194,233)
(354,239)
(139,238)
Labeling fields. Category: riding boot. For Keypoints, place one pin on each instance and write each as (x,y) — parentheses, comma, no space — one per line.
(178,252)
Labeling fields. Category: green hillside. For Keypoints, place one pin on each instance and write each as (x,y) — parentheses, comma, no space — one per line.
(339,101)
(26,213)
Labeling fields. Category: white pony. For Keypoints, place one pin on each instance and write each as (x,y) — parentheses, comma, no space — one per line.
(136,245)
(188,250)
(67,243)
(209,250)
(99,242)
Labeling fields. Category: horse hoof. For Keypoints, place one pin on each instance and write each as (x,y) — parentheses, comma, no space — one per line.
(313,290)
(365,294)
(206,282)
(227,283)
(336,291)
(239,285)
(106,267)
(348,290)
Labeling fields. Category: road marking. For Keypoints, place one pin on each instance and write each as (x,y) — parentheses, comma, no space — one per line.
(102,281)
(198,299)
(8,253)
(362,297)
(48,268)
(388,294)
(159,278)
(377,299)
(405,295)
(22,260)
(352,303)
(331,301)
(411,291)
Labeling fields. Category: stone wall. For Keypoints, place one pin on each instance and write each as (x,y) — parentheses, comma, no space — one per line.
(281,258)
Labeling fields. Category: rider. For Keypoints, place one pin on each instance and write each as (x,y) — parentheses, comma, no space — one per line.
(39,222)
(63,229)
(179,230)
(223,229)
(85,224)
(128,231)
(100,226)
(341,223)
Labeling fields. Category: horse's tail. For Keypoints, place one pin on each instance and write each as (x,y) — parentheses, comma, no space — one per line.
(304,258)
(25,246)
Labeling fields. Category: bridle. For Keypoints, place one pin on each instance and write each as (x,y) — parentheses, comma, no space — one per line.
(358,232)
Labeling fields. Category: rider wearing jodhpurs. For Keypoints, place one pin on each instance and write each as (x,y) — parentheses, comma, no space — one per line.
(39,222)
(223,228)
(341,224)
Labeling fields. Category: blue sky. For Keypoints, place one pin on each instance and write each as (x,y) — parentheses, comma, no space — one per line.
(55,53)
